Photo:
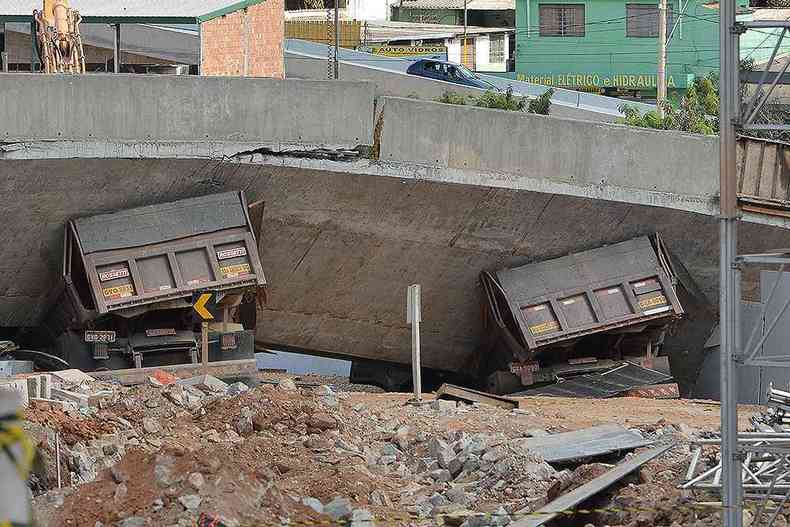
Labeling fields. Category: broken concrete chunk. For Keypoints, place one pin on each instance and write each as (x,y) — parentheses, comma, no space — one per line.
(205,383)
(151,425)
(440,474)
(287,385)
(314,504)
(362,518)
(74,376)
(196,480)
(436,445)
(237,388)
(80,399)
(132,521)
(190,502)
(387,460)
(445,457)
(338,509)
(444,406)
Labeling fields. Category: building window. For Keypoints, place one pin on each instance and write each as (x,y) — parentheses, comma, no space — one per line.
(561,20)
(496,50)
(642,20)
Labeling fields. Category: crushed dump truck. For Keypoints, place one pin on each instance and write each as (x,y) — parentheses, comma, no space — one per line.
(577,314)
(124,298)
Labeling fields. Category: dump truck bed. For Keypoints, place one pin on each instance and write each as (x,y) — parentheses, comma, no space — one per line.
(599,290)
(161,252)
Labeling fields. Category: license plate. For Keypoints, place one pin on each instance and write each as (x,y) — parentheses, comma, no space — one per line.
(100,336)
(228,342)
(160,332)
(231,253)
(113,274)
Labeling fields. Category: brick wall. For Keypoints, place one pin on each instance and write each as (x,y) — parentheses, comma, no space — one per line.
(248,42)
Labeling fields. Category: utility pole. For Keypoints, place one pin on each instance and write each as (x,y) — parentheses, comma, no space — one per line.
(661,88)
(464,48)
(337,40)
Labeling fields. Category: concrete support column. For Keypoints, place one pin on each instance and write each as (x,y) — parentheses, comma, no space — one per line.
(116,49)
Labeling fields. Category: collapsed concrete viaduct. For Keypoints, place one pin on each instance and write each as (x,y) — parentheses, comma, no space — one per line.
(364,195)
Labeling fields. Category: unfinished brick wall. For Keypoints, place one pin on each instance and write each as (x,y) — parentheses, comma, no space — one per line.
(248,42)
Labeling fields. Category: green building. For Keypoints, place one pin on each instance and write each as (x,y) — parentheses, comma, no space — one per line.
(612,46)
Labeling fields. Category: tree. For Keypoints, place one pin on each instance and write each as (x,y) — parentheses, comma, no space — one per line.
(542,103)
(697,111)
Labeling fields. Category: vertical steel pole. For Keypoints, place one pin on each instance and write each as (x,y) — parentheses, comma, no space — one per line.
(204,345)
(337,39)
(116,49)
(661,85)
(414,317)
(728,300)
(57,457)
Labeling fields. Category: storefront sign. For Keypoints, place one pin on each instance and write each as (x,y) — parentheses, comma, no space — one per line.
(407,51)
(618,80)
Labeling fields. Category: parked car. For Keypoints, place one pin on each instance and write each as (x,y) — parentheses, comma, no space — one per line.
(449,72)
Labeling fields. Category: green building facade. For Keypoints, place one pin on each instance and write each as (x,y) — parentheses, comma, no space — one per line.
(612,45)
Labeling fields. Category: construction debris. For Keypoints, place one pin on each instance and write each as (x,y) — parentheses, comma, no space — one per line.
(578,495)
(200,450)
(619,380)
(584,444)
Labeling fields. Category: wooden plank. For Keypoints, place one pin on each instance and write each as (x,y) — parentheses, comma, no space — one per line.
(219,369)
(575,497)
(451,391)
(752,170)
(768,171)
(583,444)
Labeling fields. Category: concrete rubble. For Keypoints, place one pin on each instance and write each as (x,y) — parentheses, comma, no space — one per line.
(271,453)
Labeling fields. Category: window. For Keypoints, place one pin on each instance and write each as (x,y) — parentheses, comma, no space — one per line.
(561,20)
(496,50)
(642,20)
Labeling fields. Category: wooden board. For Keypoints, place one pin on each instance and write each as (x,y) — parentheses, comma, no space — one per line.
(451,391)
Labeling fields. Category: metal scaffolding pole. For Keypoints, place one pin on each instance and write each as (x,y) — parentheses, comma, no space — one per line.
(729,307)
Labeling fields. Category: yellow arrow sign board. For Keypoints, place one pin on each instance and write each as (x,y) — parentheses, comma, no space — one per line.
(203,303)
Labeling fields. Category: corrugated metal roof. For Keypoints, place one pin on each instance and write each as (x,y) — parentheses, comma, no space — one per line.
(493,5)
(764,176)
(138,10)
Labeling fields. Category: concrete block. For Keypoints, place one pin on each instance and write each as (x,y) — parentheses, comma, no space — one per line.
(17,388)
(80,399)
(39,386)
(205,383)
(74,376)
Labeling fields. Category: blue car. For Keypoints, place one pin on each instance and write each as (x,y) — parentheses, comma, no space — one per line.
(449,72)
